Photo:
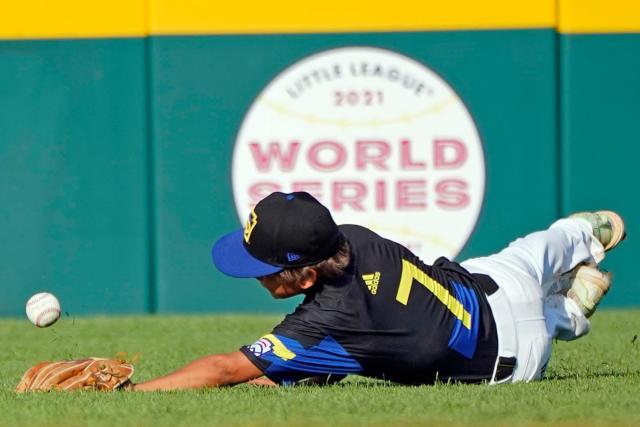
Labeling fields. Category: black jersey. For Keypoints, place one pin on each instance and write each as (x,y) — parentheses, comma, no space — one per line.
(389,316)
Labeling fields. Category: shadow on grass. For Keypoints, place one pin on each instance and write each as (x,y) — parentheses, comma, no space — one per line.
(363,382)
(578,375)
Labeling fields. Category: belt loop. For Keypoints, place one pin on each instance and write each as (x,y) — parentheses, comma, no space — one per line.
(503,370)
(507,341)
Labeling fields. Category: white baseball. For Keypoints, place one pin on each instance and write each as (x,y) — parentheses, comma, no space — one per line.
(43,309)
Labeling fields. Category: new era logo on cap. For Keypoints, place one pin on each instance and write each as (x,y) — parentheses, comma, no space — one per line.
(292,257)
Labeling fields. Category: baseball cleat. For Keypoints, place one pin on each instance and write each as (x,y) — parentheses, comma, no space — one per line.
(608,227)
(586,285)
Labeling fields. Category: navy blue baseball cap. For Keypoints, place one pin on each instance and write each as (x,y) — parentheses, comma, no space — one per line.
(283,231)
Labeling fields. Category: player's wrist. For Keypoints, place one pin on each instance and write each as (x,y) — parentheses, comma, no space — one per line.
(127,386)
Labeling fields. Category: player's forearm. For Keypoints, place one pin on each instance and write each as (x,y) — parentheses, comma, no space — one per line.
(204,372)
(209,371)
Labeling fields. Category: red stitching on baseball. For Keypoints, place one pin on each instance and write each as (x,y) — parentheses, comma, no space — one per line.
(48,310)
(40,298)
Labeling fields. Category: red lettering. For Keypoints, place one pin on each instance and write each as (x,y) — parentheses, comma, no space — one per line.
(260,190)
(406,162)
(449,153)
(321,163)
(452,194)
(285,160)
(373,152)
(381,195)
(411,194)
(312,187)
(350,193)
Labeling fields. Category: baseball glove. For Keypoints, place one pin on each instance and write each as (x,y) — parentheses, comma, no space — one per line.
(92,373)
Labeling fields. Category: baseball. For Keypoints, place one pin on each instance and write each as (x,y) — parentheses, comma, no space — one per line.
(43,309)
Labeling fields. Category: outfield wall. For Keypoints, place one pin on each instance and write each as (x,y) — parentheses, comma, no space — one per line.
(119,122)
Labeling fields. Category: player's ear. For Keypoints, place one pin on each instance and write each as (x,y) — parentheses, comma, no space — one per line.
(309,279)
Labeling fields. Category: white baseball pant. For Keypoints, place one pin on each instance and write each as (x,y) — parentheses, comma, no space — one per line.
(528,319)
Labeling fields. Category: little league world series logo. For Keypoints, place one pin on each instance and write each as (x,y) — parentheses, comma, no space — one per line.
(377,137)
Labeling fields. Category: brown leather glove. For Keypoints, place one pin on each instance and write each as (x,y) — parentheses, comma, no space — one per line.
(92,373)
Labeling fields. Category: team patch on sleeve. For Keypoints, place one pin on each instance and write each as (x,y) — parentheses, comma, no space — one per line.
(261,347)
(286,361)
(271,344)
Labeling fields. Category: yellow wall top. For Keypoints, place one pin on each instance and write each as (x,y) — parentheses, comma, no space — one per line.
(123,18)
(296,16)
(599,16)
(25,19)
(28,19)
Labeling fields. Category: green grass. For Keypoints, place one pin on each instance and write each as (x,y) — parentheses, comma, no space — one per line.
(594,381)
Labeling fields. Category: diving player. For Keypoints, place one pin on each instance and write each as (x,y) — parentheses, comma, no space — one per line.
(373,308)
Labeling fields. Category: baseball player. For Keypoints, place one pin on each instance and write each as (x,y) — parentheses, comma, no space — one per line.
(373,308)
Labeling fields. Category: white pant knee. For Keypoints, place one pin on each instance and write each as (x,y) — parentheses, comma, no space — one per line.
(565,321)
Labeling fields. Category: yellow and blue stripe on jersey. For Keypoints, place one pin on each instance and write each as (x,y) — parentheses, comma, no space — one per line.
(464,335)
(286,361)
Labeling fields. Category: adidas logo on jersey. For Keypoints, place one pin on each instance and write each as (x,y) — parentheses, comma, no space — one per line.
(372,281)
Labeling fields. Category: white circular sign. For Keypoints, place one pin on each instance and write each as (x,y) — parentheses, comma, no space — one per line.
(377,137)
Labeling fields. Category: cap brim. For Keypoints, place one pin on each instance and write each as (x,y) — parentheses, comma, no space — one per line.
(231,258)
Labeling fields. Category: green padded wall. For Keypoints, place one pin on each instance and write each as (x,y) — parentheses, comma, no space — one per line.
(73,174)
(115,154)
(601,143)
(202,86)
